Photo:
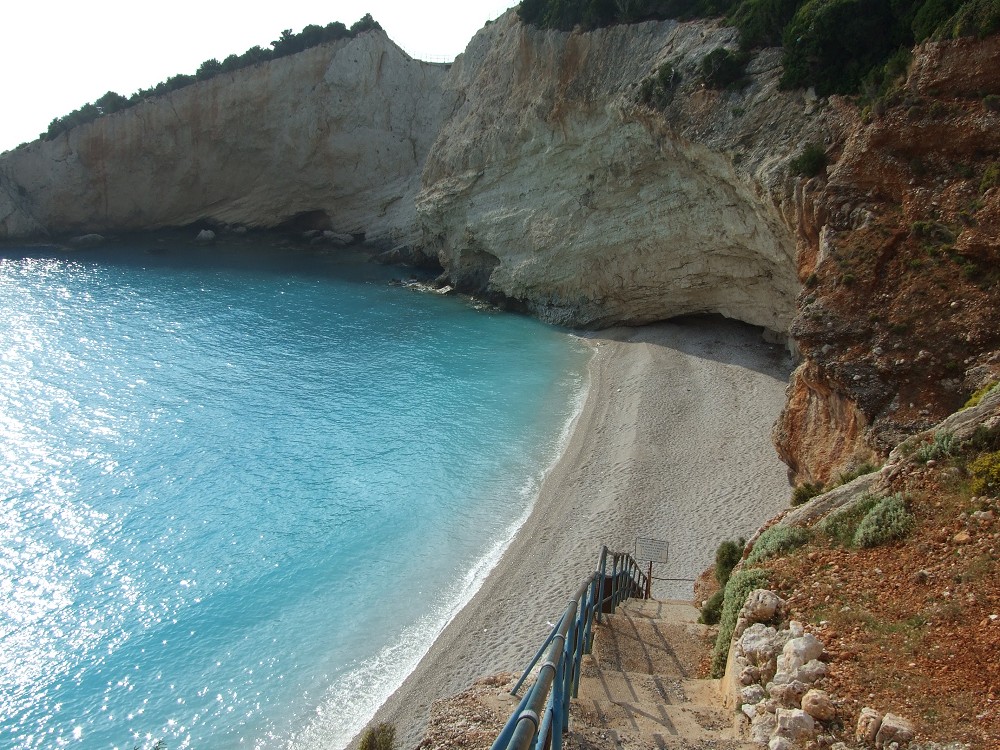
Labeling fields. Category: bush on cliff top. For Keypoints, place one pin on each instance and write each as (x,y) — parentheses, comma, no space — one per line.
(833,45)
(288,43)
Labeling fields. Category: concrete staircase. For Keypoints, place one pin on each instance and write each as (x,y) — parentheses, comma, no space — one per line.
(638,690)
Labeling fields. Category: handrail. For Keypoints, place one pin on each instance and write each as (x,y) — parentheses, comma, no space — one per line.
(542,716)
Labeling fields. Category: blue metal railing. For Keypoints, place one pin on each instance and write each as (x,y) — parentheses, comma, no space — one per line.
(542,716)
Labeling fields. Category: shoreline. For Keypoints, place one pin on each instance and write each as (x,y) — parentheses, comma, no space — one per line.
(672,441)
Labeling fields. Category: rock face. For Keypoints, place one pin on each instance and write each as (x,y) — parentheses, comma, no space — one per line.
(335,135)
(530,170)
(551,185)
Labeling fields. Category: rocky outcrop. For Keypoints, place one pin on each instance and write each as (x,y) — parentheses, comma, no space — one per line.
(334,136)
(535,170)
(552,185)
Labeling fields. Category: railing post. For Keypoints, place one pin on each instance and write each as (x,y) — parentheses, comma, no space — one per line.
(600,584)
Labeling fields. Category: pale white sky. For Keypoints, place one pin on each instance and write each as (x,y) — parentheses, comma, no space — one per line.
(56,55)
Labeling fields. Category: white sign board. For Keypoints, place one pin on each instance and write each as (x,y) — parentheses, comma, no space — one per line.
(651,550)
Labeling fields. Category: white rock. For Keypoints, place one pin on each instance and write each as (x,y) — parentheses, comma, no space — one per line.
(894,728)
(752,694)
(761,605)
(780,743)
(798,651)
(341,239)
(811,671)
(868,725)
(205,236)
(796,629)
(794,724)
(759,643)
(761,727)
(817,704)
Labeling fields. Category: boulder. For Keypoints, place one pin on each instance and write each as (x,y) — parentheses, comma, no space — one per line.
(868,725)
(811,671)
(338,239)
(799,651)
(761,606)
(87,240)
(789,694)
(749,675)
(759,643)
(752,694)
(205,237)
(817,704)
(894,728)
(794,724)
(762,726)
(780,743)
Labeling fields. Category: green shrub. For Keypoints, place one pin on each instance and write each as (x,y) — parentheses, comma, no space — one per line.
(942,445)
(736,592)
(982,440)
(777,540)
(842,525)
(728,554)
(985,472)
(857,471)
(810,162)
(833,44)
(973,18)
(887,521)
(978,396)
(711,611)
(379,737)
(658,89)
(761,21)
(722,68)
(991,177)
(805,492)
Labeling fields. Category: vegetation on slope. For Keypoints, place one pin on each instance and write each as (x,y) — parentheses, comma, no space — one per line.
(900,586)
(288,43)
(833,45)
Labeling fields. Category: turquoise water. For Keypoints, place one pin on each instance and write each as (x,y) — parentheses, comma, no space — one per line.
(241,490)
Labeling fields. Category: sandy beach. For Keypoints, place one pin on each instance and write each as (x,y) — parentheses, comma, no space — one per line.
(673,442)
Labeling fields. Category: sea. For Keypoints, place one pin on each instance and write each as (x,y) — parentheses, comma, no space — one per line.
(244,487)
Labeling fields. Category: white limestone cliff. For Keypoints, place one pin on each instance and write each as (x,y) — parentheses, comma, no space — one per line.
(339,130)
(551,185)
(528,170)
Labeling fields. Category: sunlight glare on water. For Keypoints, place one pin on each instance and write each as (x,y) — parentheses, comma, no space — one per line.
(242,490)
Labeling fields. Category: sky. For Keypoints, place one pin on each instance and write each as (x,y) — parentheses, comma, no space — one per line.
(58,55)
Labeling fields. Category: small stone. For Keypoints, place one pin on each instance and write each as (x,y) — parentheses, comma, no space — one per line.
(817,704)
(868,725)
(759,643)
(789,694)
(87,240)
(794,724)
(761,728)
(780,743)
(810,672)
(749,675)
(761,605)
(894,729)
(752,694)
(798,651)
(921,577)
(796,628)
(962,537)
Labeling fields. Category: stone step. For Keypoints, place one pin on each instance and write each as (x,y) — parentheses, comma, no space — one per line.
(632,707)
(638,688)
(651,637)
